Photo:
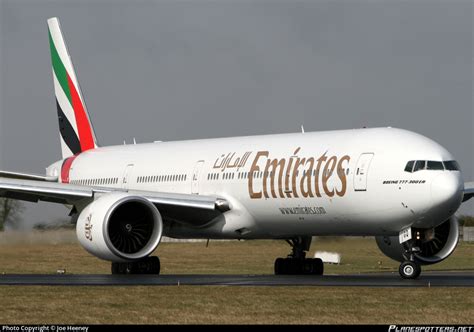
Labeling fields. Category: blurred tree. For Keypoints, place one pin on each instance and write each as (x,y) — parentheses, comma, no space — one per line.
(467,221)
(10,211)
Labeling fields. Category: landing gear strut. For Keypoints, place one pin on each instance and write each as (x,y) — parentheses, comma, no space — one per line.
(410,268)
(148,265)
(296,262)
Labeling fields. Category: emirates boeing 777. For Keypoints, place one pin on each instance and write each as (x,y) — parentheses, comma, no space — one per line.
(396,185)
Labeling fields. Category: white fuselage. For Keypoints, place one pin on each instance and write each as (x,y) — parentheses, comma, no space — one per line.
(347,182)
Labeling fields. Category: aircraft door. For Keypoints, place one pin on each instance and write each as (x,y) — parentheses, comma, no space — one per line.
(127,176)
(196,176)
(361,171)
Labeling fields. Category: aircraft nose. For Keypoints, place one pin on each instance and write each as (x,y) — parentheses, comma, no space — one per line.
(447,191)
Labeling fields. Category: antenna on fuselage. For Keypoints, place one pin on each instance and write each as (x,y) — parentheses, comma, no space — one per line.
(302,129)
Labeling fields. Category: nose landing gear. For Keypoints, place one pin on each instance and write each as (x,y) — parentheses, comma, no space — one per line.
(296,263)
(410,268)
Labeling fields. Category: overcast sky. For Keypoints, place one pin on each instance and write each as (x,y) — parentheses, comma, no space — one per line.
(174,70)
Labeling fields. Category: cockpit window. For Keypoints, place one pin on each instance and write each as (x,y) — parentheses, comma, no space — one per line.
(419,165)
(409,166)
(435,165)
(451,165)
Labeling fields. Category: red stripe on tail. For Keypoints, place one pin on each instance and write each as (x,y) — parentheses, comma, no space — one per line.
(83,126)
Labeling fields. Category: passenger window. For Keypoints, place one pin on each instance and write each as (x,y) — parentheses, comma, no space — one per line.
(452,165)
(435,165)
(419,165)
(409,166)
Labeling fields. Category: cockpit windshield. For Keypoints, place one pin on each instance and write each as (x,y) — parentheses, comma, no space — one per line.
(418,165)
(436,165)
(451,165)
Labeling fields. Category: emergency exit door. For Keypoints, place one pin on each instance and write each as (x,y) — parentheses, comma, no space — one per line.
(196,176)
(127,175)
(362,171)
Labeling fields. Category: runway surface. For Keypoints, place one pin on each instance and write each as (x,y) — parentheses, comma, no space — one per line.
(427,279)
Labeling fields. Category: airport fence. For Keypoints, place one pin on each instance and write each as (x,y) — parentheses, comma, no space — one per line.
(467,234)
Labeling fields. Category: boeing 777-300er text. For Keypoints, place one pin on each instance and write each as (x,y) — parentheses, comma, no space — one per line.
(396,185)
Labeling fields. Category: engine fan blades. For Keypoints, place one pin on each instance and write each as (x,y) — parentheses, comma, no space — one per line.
(434,246)
(130,236)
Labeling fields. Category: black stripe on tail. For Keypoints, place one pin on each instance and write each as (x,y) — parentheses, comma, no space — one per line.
(67,132)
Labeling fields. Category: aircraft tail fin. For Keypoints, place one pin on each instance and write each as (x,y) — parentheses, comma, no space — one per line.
(75,127)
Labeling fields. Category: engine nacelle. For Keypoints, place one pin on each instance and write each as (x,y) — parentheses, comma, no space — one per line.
(436,244)
(120,227)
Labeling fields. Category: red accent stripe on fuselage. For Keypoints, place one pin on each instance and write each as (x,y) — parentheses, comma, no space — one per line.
(66,168)
(83,126)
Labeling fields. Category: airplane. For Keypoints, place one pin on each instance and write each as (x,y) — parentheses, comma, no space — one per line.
(396,185)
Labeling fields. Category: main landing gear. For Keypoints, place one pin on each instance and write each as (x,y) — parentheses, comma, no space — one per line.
(410,268)
(296,262)
(148,265)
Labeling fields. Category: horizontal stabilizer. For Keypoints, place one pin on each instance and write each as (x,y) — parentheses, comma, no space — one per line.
(468,191)
(25,176)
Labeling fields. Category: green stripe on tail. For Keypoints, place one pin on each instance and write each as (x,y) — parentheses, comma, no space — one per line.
(59,69)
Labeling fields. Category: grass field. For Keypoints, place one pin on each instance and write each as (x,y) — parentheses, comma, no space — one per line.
(46,253)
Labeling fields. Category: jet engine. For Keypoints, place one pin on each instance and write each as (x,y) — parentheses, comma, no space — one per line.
(119,227)
(435,244)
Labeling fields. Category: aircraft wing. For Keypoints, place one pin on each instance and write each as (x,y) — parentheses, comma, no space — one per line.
(468,191)
(183,208)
